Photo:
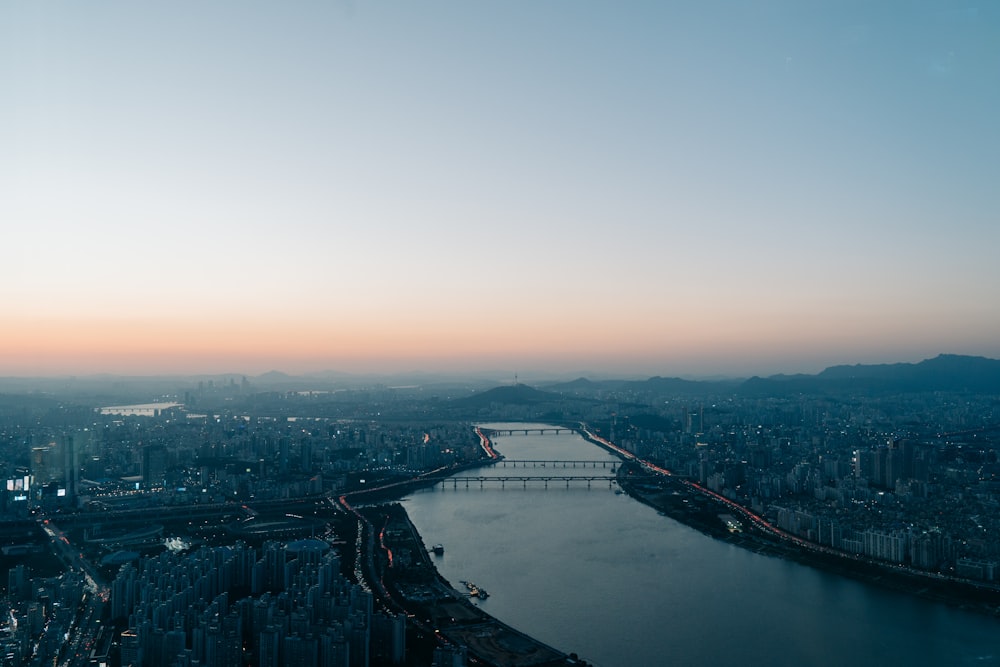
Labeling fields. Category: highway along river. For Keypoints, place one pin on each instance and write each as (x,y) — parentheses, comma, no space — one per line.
(589,570)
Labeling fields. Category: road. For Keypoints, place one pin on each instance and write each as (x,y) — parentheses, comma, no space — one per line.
(87,623)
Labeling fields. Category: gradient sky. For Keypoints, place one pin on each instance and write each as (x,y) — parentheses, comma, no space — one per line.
(667,188)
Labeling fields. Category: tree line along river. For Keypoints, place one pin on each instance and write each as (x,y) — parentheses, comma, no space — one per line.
(588,569)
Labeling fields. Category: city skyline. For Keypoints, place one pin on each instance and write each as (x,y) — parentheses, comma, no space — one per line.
(712,189)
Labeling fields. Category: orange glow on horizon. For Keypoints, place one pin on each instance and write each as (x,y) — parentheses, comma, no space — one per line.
(439,340)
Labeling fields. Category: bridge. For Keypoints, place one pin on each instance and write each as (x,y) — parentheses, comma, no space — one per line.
(548,430)
(558,463)
(524,479)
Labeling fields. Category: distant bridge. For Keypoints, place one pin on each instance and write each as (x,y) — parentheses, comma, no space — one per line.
(524,479)
(558,463)
(550,430)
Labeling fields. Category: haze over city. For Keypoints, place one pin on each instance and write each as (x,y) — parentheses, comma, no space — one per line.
(665,188)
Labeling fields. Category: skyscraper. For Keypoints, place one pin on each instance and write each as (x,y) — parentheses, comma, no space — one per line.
(154,465)
(71,468)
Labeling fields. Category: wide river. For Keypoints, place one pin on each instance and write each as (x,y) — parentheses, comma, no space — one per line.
(597,573)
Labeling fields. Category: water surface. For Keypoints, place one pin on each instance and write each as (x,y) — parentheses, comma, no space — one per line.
(597,573)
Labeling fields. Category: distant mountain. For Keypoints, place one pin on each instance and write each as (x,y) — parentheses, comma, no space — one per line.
(952,366)
(580,383)
(946,372)
(678,385)
(585,387)
(274,376)
(671,386)
(518,394)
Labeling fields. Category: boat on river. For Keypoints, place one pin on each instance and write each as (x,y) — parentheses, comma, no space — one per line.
(475,591)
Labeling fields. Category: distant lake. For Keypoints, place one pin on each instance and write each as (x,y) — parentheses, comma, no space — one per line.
(599,574)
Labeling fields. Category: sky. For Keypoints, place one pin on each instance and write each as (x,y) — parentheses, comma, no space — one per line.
(659,188)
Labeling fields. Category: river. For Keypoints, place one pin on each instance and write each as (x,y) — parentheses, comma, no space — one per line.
(594,572)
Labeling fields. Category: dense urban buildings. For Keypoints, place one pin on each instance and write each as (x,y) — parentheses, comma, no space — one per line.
(213,527)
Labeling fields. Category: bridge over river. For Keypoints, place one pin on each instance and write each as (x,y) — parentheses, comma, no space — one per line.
(482,480)
(530,430)
(553,463)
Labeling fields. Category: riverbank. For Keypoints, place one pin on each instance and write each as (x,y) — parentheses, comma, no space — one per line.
(708,512)
(439,614)
(679,501)
(595,572)
(395,565)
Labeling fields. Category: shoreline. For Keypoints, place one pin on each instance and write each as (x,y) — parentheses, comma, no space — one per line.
(706,517)
(674,498)
(761,537)
(438,614)
(400,572)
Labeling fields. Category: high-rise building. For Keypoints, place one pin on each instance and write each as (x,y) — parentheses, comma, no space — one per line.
(19,583)
(70,467)
(131,651)
(154,465)
(389,637)
(223,644)
(43,465)
(173,645)
(449,656)
(269,646)
(334,649)
(300,651)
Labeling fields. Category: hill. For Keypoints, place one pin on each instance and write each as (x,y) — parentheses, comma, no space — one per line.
(946,372)
(518,394)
